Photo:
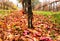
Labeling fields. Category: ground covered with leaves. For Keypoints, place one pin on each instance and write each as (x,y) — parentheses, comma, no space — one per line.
(14,27)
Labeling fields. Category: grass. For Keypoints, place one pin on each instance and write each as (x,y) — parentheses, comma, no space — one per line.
(55,16)
(4,13)
(45,12)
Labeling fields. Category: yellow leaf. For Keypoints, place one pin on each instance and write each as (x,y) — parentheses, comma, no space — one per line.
(0,39)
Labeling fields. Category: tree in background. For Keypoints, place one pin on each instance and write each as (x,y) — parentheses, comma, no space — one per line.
(7,5)
(34,3)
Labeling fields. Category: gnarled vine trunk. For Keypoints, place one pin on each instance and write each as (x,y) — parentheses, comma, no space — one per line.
(28,9)
(30,14)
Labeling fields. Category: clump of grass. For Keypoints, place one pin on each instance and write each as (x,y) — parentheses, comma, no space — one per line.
(4,13)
